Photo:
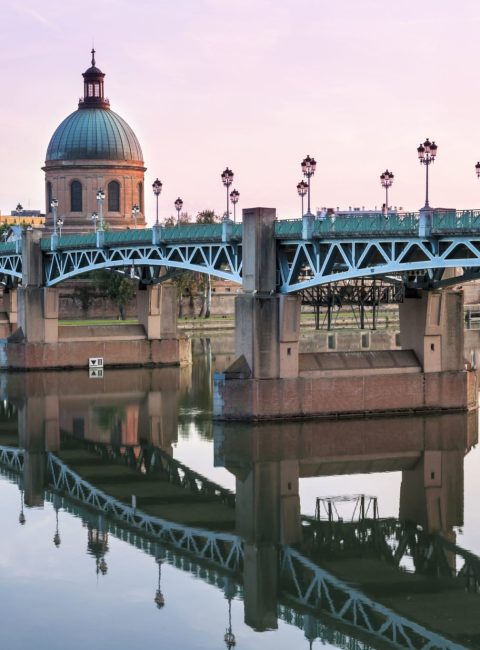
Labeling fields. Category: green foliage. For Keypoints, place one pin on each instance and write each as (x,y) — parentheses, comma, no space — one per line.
(183,219)
(188,281)
(207,216)
(116,287)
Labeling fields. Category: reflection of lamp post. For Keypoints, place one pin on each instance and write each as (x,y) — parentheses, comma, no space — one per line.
(21,517)
(56,537)
(94,219)
(100,200)
(54,206)
(157,188)
(135,212)
(227,180)
(178,207)
(386,180)
(426,155)
(308,168)
(302,189)
(229,636)
(159,597)
(98,546)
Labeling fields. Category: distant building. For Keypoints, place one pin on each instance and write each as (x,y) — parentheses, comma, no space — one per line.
(21,217)
(92,149)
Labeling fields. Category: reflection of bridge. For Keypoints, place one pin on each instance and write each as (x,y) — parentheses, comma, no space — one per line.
(303,585)
(297,571)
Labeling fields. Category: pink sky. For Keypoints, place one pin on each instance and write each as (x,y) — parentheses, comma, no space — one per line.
(255,85)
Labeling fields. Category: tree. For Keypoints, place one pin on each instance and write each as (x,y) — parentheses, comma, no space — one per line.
(116,287)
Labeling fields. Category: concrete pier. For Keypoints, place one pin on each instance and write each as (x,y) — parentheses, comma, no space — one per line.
(270,378)
(39,343)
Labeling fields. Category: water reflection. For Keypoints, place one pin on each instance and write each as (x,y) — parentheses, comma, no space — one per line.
(102,450)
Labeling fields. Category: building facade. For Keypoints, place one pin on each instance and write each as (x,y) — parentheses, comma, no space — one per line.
(94,149)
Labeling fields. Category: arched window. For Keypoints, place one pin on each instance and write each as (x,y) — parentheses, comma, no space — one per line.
(140,196)
(114,196)
(76,196)
(49,197)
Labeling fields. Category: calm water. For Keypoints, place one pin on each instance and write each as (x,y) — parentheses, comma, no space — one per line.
(74,576)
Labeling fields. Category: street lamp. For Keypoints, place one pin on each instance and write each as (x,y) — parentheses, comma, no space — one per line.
(157,188)
(178,206)
(54,206)
(100,200)
(94,219)
(227,180)
(386,180)
(308,169)
(302,189)
(477,169)
(234,196)
(135,212)
(426,154)
(60,224)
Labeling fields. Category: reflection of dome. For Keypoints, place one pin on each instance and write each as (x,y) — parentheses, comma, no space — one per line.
(94,134)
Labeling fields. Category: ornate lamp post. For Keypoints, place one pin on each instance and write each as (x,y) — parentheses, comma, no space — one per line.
(227,180)
(308,168)
(386,180)
(157,188)
(100,200)
(94,219)
(426,154)
(135,213)
(178,206)
(234,196)
(54,206)
(302,189)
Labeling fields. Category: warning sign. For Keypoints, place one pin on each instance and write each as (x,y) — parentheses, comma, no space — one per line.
(95,362)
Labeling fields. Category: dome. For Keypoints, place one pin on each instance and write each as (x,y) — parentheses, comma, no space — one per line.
(94,134)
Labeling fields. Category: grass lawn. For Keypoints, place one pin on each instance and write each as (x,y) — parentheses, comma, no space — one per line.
(99,321)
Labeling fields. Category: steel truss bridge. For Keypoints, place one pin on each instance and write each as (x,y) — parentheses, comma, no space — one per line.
(311,598)
(410,248)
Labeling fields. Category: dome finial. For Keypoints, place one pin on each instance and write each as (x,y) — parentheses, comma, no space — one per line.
(93,56)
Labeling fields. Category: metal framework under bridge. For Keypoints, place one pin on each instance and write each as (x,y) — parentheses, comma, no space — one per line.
(411,247)
(311,597)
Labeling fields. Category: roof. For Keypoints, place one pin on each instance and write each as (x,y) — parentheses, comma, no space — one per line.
(98,134)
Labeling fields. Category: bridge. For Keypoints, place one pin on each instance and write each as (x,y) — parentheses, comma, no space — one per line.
(416,247)
(273,260)
(304,593)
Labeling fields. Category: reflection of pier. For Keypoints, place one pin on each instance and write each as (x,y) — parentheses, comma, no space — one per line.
(300,572)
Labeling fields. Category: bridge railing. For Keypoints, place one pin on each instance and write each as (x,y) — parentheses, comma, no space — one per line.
(453,221)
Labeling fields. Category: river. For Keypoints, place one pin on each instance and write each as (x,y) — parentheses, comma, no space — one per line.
(382,511)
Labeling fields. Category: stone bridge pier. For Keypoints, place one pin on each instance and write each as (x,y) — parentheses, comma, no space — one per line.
(271,378)
(40,343)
